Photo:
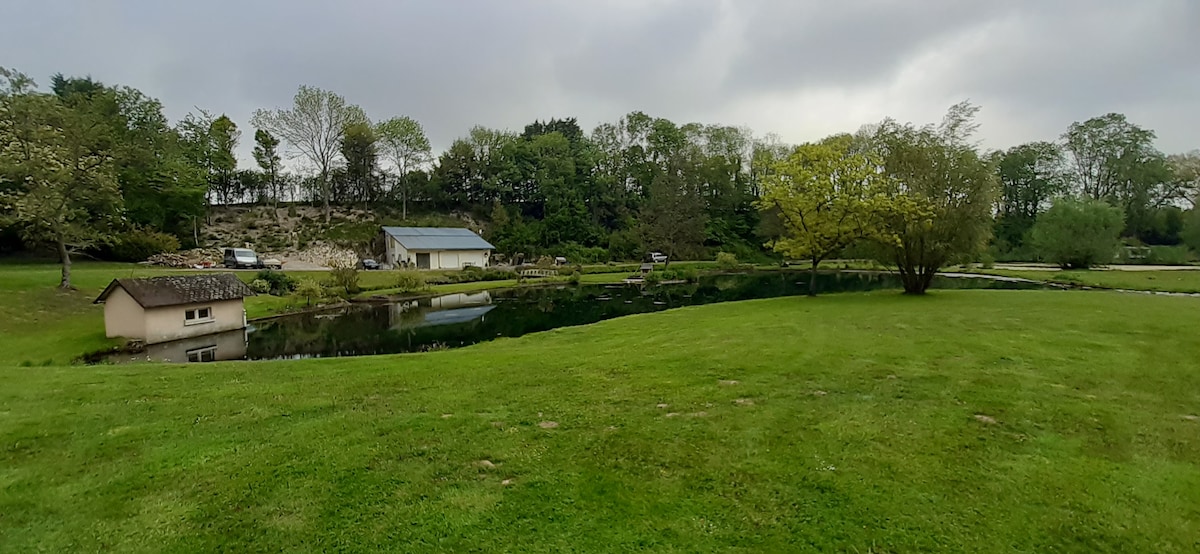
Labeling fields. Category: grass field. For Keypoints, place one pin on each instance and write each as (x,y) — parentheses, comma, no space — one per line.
(965,421)
(1160,281)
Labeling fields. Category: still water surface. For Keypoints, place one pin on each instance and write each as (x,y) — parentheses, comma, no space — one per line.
(457,320)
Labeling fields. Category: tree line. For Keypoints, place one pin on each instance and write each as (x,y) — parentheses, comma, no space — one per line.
(85,165)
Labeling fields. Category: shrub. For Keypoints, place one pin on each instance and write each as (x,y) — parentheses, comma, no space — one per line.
(987,260)
(410,281)
(688,273)
(576,253)
(1077,233)
(278,283)
(653,278)
(727,261)
(309,290)
(1168,255)
(574,278)
(260,286)
(344,276)
(139,244)
(1191,229)
(292,212)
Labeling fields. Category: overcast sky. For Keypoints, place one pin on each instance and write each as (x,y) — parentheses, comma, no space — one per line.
(800,69)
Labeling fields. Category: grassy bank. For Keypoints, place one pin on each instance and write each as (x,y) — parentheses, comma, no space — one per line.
(983,421)
(1160,281)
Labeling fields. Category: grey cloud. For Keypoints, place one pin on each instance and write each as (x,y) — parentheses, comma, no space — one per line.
(1034,66)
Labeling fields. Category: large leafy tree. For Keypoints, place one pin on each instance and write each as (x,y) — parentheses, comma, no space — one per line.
(223,180)
(402,141)
(1030,176)
(162,185)
(673,219)
(266,155)
(826,197)
(940,195)
(57,177)
(314,127)
(360,152)
(1114,160)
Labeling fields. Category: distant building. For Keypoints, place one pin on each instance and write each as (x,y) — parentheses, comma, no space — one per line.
(435,247)
(162,309)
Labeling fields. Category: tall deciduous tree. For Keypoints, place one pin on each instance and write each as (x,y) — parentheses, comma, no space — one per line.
(1185,171)
(1115,160)
(1030,175)
(161,184)
(266,155)
(403,142)
(59,185)
(362,163)
(826,196)
(314,127)
(673,219)
(941,193)
(224,179)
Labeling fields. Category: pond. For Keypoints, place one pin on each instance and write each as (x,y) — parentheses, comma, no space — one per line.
(457,320)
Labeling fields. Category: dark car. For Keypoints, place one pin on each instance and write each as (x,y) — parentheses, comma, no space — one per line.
(370,264)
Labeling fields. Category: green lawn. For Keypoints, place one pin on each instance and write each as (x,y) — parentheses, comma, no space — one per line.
(964,421)
(1162,281)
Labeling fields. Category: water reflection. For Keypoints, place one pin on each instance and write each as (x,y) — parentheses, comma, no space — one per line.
(456,320)
(462,319)
(230,345)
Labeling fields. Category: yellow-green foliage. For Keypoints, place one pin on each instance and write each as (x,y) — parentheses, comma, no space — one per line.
(826,196)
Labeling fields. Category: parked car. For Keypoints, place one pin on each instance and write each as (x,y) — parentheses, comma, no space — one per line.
(370,264)
(242,258)
(656,257)
(270,263)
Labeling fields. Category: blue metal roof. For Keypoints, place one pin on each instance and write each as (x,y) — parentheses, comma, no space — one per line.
(438,238)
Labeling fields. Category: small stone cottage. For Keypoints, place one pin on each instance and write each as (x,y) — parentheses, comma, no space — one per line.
(163,309)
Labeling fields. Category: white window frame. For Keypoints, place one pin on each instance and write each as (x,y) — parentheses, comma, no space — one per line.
(205,354)
(192,316)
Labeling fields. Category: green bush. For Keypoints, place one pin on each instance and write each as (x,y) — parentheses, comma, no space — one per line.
(578,254)
(410,281)
(1191,229)
(279,284)
(727,261)
(292,212)
(309,290)
(987,260)
(653,278)
(1169,255)
(574,278)
(260,286)
(688,273)
(1077,234)
(344,277)
(139,244)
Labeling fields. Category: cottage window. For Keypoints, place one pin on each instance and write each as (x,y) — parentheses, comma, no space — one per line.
(206,354)
(197,316)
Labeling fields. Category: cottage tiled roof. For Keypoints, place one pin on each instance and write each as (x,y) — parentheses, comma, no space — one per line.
(438,238)
(174,290)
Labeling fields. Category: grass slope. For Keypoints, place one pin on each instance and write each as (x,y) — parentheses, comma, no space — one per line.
(852,426)
(1159,281)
